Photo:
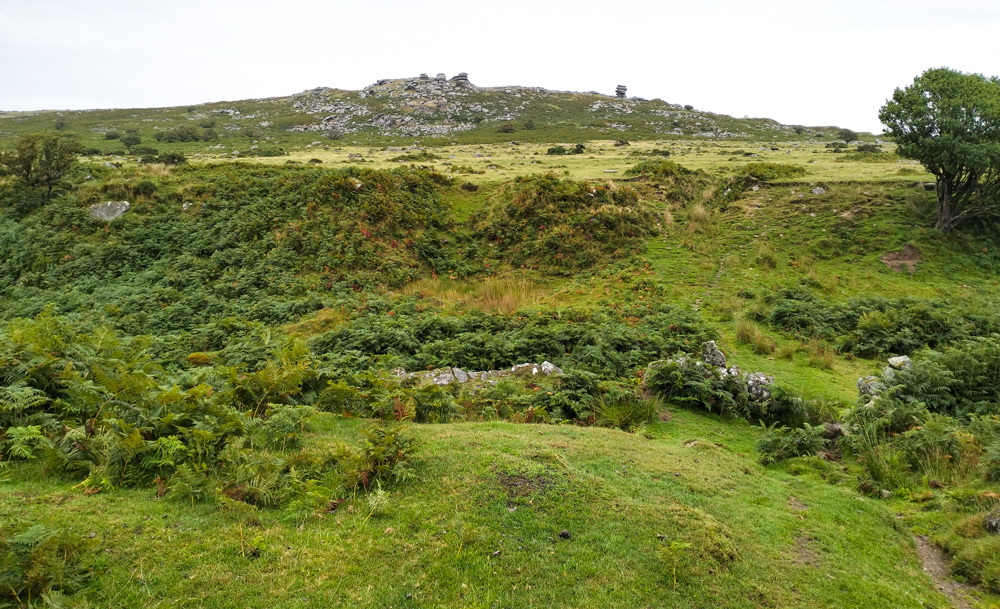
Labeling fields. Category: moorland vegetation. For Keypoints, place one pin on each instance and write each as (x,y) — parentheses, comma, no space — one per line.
(304,384)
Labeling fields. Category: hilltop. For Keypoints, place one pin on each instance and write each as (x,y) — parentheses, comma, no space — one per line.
(435,111)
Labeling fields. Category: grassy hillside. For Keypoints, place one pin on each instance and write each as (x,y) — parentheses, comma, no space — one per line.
(395,112)
(202,386)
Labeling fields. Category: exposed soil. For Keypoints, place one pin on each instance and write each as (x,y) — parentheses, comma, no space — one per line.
(804,554)
(936,566)
(906,258)
(522,485)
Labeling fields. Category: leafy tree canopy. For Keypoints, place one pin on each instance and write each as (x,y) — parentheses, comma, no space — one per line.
(41,160)
(950,122)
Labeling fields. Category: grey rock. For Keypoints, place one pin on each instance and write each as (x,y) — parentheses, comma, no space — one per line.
(548,369)
(886,493)
(992,522)
(870,385)
(900,362)
(758,385)
(711,355)
(818,190)
(888,374)
(443,377)
(460,375)
(112,210)
(832,431)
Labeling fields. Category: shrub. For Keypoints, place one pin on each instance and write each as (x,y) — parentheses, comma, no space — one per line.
(563,225)
(557,150)
(505,128)
(771,171)
(112,135)
(469,186)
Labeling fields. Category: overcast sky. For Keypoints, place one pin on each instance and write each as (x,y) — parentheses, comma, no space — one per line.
(806,62)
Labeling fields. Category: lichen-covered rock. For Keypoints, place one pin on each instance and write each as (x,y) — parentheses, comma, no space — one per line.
(711,355)
(758,385)
(460,375)
(992,522)
(111,210)
(870,385)
(901,362)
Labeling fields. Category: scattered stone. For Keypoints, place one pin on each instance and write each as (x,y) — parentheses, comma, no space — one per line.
(524,370)
(818,190)
(711,354)
(112,210)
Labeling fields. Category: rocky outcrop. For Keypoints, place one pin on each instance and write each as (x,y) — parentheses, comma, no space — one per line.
(447,376)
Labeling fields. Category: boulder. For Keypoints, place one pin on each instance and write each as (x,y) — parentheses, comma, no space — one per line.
(711,355)
(818,190)
(548,369)
(901,362)
(460,375)
(112,210)
(992,522)
(870,385)
(758,385)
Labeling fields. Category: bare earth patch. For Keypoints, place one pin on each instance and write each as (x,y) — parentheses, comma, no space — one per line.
(936,566)
(804,553)
(906,258)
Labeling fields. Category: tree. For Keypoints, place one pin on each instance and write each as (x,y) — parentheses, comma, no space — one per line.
(41,160)
(847,135)
(131,140)
(950,122)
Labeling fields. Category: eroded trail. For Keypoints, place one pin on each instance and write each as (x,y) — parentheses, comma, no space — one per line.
(935,564)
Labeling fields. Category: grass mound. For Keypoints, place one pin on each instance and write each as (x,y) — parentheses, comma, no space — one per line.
(560,225)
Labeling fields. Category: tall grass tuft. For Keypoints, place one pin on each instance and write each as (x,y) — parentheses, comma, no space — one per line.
(750,334)
(699,218)
(504,294)
(627,413)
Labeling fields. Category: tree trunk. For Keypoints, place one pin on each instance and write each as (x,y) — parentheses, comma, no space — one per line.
(946,214)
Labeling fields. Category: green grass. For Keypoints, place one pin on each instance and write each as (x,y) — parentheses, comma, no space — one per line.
(481,528)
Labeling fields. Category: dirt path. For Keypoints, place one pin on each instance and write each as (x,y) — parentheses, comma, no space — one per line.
(936,566)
